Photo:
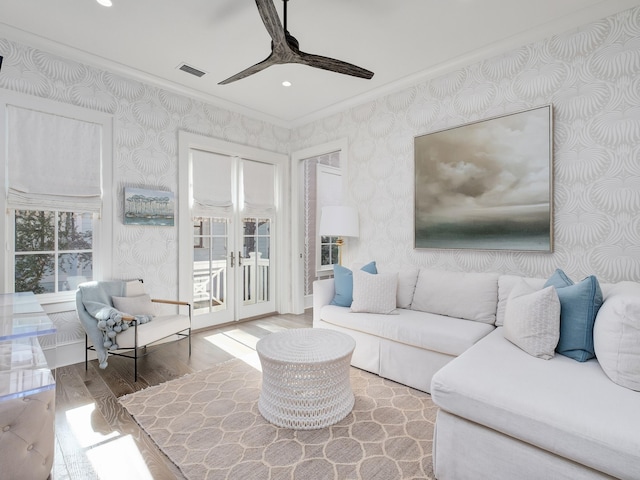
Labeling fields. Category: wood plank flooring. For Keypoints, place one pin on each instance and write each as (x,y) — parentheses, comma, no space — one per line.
(97,439)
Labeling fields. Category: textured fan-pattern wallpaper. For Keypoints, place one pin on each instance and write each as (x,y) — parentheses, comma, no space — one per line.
(591,75)
(146,124)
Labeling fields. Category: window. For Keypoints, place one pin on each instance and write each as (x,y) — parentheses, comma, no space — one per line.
(329,251)
(53,250)
(57,171)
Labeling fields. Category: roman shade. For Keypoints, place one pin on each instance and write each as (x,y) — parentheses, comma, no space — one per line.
(212,184)
(258,181)
(54,162)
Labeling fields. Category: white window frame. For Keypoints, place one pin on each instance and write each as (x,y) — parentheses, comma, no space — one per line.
(102,225)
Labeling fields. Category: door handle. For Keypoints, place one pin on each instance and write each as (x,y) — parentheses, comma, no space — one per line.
(239,258)
(232,259)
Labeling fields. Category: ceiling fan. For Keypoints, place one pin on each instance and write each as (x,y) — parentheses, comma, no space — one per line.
(285,49)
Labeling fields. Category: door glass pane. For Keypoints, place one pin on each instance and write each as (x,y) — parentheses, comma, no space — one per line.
(210,264)
(256,260)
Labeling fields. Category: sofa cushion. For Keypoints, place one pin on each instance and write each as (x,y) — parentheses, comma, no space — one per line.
(616,338)
(343,278)
(532,320)
(471,296)
(374,293)
(439,333)
(407,278)
(569,408)
(505,285)
(579,304)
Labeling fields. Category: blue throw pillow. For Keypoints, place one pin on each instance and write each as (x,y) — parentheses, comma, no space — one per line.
(343,279)
(579,304)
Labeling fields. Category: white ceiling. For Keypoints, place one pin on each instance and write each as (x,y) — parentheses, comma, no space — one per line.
(401,41)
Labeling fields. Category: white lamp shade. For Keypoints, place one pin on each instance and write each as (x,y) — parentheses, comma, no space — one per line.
(339,221)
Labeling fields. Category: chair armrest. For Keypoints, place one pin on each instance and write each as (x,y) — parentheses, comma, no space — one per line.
(171,302)
(128,318)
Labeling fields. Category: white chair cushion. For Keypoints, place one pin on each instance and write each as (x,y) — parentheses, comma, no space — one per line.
(160,327)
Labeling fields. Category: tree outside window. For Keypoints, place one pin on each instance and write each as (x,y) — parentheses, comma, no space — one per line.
(329,252)
(53,250)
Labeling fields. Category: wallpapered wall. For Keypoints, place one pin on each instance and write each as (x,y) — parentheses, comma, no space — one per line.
(146,124)
(591,75)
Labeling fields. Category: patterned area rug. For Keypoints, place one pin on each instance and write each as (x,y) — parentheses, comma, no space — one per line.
(209,425)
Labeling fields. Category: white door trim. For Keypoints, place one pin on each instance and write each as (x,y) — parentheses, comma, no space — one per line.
(297,228)
(188,141)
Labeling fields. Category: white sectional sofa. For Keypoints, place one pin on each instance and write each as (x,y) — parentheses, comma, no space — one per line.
(419,334)
(504,413)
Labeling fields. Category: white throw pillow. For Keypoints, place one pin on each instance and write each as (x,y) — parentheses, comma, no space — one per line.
(616,340)
(374,293)
(532,320)
(138,305)
(505,285)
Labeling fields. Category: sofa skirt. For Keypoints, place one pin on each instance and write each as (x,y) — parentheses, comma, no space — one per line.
(464,450)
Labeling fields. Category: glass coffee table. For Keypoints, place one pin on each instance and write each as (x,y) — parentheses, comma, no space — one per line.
(305,378)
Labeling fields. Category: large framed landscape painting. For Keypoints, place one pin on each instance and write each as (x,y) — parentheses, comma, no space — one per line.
(486,185)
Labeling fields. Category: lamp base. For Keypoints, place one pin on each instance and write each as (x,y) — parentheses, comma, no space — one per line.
(340,243)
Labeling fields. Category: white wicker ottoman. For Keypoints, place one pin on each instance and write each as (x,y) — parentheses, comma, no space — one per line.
(305,378)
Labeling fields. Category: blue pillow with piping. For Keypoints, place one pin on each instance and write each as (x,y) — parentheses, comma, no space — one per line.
(343,280)
(579,304)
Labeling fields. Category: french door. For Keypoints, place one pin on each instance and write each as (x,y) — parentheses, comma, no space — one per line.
(232,266)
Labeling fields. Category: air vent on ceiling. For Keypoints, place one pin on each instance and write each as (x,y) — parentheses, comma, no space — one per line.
(192,70)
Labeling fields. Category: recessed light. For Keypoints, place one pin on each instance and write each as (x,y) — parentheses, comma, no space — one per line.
(105,3)
(286,83)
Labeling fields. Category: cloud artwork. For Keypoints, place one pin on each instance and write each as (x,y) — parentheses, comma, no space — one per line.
(486,185)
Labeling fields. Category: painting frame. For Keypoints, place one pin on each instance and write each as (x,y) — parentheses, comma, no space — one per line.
(149,207)
(487,184)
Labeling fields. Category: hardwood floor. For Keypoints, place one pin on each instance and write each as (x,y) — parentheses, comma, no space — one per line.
(97,439)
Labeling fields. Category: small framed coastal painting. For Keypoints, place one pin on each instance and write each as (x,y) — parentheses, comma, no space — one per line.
(148,207)
(486,185)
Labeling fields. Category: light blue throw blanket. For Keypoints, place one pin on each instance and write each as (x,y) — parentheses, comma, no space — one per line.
(100,320)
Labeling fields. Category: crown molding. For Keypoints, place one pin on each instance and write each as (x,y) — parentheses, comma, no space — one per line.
(87,58)
(596,11)
(585,16)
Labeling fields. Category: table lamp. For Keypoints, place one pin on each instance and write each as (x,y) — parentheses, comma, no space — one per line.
(339,221)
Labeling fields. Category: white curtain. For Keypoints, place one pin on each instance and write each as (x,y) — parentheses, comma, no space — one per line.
(258,181)
(212,184)
(54,162)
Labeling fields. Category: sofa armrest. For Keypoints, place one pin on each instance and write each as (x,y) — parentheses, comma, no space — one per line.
(323,292)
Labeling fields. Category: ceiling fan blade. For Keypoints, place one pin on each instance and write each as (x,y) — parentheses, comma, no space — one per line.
(333,65)
(271,21)
(267,62)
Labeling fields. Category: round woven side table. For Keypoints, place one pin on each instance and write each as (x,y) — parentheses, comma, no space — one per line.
(305,378)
